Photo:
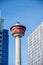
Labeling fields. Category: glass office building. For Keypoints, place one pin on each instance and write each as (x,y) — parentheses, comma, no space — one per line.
(1,35)
(4,39)
(35,46)
(1,24)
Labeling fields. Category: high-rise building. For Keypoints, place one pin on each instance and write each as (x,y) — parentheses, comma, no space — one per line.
(35,46)
(3,44)
(1,35)
(5,41)
(1,24)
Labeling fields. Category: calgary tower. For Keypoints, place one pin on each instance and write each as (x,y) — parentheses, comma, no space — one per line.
(18,31)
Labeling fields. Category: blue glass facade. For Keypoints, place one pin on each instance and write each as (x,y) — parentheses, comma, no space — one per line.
(1,34)
(5,41)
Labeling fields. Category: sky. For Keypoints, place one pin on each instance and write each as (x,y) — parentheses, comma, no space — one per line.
(29,13)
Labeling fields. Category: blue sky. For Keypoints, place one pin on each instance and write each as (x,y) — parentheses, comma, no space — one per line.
(29,13)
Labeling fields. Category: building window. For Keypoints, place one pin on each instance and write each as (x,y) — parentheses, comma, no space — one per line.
(0,49)
(0,41)
(0,45)
(0,36)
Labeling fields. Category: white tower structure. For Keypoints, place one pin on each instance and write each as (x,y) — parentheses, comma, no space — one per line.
(18,31)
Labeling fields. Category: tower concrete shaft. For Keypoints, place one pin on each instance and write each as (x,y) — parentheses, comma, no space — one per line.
(18,50)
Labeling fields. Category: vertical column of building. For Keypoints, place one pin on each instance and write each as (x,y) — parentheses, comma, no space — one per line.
(1,34)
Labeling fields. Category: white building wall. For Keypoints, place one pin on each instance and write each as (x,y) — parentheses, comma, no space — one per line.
(35,46)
